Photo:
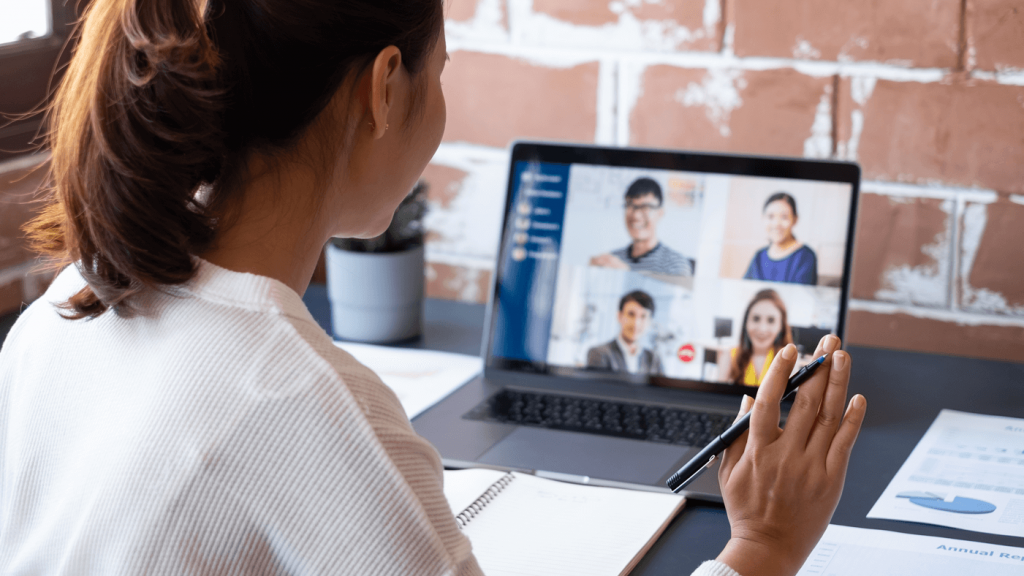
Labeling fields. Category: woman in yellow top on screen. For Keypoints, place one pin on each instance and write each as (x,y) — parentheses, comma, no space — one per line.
(785,259)
(765,332)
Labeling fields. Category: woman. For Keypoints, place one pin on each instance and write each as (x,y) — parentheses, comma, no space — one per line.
(170,406)
(765,331)
(785,259)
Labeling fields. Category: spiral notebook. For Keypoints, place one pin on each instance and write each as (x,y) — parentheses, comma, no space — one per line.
(520,524)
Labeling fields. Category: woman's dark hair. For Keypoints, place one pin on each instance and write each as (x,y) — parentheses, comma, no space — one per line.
(742,358)
(781,196)
(642,187)
(640,297)
(166,97)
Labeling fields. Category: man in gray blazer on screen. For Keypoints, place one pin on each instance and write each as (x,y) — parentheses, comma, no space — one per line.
(624,354)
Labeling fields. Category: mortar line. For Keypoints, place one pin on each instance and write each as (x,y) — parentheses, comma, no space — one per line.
(723,24)
(961,48)
(835,115)
(563,57)
(615,103)
(954,281)
(938,314)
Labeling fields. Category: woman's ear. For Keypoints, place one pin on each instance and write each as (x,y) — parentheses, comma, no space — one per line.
(384,84)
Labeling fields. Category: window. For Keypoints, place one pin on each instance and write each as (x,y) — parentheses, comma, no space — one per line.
(24,20)
(33,34)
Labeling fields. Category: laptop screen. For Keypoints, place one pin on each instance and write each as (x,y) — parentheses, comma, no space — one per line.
(668,276)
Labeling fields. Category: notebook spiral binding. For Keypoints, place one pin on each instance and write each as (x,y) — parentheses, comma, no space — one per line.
(486,498)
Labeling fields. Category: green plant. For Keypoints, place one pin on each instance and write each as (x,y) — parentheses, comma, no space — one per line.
(406,230)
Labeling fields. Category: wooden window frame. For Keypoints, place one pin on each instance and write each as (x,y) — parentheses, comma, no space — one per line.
(29,73)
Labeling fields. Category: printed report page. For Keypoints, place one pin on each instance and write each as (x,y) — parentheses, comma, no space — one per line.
(846,551)
(967,472)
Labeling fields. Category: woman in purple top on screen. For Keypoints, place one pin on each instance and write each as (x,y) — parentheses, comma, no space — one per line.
(785,259)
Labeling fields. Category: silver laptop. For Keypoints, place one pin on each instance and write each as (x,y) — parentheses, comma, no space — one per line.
(638,294)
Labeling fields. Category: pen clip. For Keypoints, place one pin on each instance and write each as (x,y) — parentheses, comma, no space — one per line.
(694,476)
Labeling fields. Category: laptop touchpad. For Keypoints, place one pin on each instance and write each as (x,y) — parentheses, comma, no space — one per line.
(603,457)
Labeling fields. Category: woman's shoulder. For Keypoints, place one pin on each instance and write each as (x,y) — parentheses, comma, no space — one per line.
(757,261)
(799,252)
(804,252)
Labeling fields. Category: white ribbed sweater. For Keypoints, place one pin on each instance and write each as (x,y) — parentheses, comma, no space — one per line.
(221,433)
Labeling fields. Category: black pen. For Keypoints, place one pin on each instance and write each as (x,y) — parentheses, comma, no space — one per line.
(706,457)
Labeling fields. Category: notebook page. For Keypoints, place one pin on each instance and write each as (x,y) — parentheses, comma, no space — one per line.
(462,487)
(542,527)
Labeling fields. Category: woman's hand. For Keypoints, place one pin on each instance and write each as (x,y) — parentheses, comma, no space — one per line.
(782,486)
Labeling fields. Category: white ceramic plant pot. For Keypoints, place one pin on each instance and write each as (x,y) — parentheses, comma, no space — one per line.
(375,297)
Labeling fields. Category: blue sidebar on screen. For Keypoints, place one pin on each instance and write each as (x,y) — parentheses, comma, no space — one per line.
(528,267)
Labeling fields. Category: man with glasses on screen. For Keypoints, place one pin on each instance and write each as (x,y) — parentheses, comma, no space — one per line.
(643,211)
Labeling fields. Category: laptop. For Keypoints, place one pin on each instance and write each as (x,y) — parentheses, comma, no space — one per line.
(638,293)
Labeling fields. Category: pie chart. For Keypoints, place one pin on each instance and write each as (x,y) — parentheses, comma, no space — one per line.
(959,504)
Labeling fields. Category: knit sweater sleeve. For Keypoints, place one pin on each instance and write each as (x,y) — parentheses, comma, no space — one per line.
(222,433)
(714,568)
(427,529)
(362,498)
(324,473)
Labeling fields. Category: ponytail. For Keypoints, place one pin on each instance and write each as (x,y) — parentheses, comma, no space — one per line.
(166,97)
(136,130)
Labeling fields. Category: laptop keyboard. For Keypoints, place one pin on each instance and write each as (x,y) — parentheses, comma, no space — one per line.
(609,418)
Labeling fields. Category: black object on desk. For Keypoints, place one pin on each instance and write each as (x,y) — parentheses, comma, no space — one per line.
(905,392)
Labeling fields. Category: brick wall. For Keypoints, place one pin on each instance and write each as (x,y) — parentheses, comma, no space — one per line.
(927,95)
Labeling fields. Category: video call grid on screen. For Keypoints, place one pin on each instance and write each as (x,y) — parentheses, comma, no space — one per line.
(686,271)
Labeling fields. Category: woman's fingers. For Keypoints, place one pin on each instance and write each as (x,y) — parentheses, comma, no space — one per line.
(806,408)
(764,421)
(842,444)
(735,450)
(746,403)
(830,413)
